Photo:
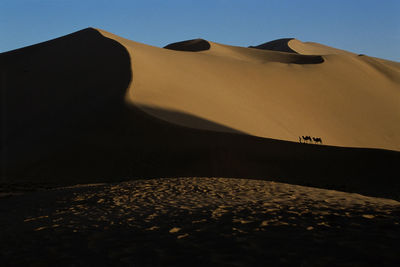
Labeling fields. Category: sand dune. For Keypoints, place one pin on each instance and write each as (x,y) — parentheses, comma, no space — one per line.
(93,104)
(190,45)
(276,45)
(292,45)
(345,99)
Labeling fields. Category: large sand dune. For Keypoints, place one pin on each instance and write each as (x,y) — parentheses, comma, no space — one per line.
(345,99)
(95,106)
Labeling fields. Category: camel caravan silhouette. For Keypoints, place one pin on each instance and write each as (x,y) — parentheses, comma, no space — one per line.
(308,139)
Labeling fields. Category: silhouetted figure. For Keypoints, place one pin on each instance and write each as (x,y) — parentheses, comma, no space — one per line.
(306,138)
(317,140)
(299,139)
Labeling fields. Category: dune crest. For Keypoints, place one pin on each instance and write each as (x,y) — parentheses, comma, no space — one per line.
(311,48)
(293,45)
(276,45)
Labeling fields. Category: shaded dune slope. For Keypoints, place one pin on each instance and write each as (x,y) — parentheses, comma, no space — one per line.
(276,45)
(190,45)
(58,91)
(75,113)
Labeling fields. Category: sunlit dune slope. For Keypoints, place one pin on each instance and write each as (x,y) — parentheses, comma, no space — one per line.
(92,106)
(311,48)
(345,99)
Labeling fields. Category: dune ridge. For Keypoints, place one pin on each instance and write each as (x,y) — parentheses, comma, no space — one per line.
(281,45)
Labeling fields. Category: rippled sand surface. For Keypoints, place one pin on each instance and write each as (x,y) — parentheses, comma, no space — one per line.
(198,222)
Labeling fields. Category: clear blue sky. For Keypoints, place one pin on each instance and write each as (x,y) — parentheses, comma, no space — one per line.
(370,27)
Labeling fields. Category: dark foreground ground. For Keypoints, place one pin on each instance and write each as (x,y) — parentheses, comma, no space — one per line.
(197,222)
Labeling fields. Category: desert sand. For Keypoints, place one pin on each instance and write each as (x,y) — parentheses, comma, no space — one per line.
(133,119)
(198,222)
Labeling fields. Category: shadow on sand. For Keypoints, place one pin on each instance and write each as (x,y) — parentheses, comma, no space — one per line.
(197,222)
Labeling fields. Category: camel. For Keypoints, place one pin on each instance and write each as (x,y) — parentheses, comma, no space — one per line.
(311,139)
(317,140)
(305,138)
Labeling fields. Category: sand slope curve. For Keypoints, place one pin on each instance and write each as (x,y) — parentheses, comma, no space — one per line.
(345,99)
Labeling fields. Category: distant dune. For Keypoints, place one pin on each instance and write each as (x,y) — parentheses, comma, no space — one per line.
(276,45)
(292,45)
(190,45)
(93,106)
